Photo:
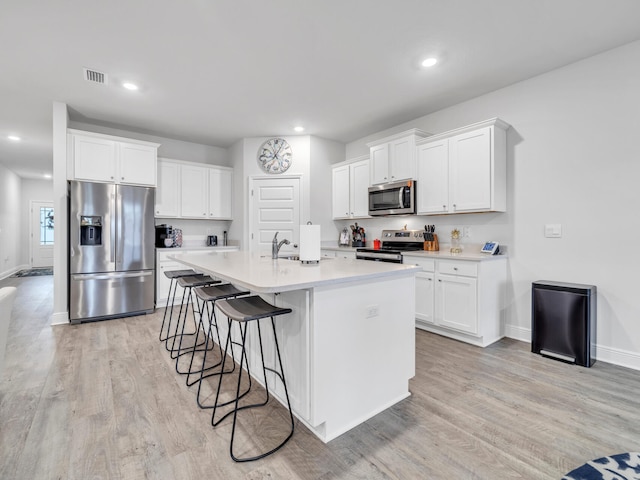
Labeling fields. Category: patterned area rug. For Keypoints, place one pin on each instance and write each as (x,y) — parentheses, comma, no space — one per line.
(34,272)
(623,466)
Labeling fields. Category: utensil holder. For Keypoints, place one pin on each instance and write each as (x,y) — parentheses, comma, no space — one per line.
(432,245)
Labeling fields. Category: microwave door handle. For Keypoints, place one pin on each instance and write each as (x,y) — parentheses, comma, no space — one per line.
(400,197)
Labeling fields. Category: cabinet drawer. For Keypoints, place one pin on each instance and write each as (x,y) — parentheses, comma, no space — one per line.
(468,269)
(427,264)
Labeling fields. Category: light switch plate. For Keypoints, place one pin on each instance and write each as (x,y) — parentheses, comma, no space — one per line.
(553,230)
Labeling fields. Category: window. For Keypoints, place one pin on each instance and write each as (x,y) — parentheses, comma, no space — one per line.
(46,226)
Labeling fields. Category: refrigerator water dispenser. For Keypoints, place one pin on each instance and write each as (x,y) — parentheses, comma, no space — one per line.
(90,230)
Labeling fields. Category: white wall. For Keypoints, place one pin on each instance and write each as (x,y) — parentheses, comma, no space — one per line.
(573,159)
(324,153)
(32,190)
(10,240)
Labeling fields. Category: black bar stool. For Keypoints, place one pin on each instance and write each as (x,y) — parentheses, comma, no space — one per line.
(187,284)
(208,297)
(173,284)
(244,310)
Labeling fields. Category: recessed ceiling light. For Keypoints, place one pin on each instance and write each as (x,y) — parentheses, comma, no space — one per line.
(14,138)
(429,62)
(47,175)
(299,129)
(130,86)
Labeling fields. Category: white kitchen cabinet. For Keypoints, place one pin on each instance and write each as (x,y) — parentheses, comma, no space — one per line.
(461,299)
(350,189)
(394,158)
(425,290)
(220,181)
(167,193)
(463,170)
(191,190)
(104,158)
(456,303)
(194,185)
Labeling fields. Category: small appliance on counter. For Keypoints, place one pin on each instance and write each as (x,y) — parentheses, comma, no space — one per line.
(212,240)
(164,236)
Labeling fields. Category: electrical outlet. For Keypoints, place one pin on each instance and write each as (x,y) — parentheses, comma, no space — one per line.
(466,232)
(372,311)
(553,230)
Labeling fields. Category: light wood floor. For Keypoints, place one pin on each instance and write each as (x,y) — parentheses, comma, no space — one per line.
(101,400)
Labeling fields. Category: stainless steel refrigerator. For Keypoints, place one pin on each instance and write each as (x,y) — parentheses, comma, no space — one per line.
(111,251)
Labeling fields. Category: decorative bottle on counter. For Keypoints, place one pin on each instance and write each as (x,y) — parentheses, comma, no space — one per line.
(224,238)
(455,242)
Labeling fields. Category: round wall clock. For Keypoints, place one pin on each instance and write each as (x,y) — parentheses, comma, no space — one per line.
(275,155)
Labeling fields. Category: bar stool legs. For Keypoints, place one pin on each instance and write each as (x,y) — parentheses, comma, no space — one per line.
(173,276)
(243,310)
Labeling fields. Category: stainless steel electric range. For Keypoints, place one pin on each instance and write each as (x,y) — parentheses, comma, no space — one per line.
(393,243)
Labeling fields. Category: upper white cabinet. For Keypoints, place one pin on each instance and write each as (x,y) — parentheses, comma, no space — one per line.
(350,189)
(394,158)
(168,191)
(104,158)
(463,170)
(192,190)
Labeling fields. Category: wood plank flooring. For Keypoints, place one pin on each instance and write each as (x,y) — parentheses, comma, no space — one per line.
(102,401)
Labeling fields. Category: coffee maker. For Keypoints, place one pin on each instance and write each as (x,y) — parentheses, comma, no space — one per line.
(164,236)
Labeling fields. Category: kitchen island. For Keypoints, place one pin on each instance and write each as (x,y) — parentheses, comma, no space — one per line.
(348,347)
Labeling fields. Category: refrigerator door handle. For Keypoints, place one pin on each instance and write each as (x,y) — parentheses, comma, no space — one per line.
(112,239)
(109,276)
(119,230)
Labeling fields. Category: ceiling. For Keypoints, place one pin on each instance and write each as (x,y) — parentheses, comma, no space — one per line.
(214,71)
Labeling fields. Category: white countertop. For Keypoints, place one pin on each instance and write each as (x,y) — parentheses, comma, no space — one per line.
(262,274)
(172,250)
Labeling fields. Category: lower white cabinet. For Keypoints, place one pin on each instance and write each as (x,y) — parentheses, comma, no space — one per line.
(461,299)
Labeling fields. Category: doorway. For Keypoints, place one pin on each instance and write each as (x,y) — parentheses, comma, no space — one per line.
(275,208)
(42,221)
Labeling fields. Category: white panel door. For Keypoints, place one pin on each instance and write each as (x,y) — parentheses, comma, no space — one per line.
(456,303)
(42,234)
(220,181)
(94,159)
(275,207)
(167,193)
(359,189)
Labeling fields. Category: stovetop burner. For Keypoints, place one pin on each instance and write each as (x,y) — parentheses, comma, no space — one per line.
(394,242)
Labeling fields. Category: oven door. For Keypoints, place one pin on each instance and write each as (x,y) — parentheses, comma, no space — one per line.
(379,256)
(392,199)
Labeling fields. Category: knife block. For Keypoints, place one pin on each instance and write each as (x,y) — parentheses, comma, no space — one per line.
(432,246)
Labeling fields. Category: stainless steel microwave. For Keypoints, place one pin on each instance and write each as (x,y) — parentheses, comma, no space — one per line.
(398,198)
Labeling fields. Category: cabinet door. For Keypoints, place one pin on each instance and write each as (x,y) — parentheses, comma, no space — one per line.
(167,193)
(220,181)
(433,177)
(470,171)
(456,303)
(341,191)
(194,183)
(380,164)
(137,164)
(94,159)
(359,189)
(402,159)
(163,283)
(425,297)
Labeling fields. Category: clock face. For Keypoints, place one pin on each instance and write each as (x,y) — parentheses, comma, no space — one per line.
(275,155)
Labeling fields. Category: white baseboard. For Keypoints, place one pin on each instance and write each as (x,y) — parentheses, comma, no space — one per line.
(612,355)
(11,271)
(60,318)
(518,333)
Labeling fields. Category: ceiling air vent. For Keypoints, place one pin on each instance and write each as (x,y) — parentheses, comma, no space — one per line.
(94,76)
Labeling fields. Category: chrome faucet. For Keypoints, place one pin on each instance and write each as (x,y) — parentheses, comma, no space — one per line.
(275,246)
